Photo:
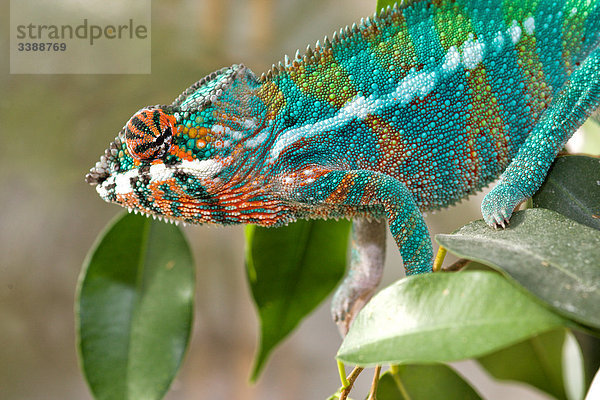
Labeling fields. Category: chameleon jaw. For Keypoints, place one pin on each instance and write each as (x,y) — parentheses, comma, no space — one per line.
(150,189)
(123,183)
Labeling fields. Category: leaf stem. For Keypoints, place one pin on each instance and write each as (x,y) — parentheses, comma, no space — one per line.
(395,370)
(342,371)
(439,259)
(351,378)
(373,392)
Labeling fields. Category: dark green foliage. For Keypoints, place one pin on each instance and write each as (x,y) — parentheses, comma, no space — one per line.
(291,270)
(540,362)
(134,309)
(572,188)
(552,256)
(409,382)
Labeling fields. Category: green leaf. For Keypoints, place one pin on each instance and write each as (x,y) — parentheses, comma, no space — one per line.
(475,266)
(384,3)
(536,361)
(572,188)
(424,382)
(552,256)
(134,309)
(443,317)
(291,270)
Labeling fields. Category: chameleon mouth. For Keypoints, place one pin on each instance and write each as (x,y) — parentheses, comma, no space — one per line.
(149,189)
(116,189)
(108,163)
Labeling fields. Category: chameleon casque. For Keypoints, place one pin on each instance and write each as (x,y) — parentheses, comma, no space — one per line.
(410,110)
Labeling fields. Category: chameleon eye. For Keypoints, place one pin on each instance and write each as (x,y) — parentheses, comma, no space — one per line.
(148,134)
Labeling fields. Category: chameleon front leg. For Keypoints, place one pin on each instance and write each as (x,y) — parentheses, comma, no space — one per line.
(366,268)
(379,195)
(578,98)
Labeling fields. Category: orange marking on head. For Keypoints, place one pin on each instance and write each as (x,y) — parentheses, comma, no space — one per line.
(148,133)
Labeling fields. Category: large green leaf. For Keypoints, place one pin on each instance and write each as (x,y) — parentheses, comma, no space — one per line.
(424,382)
(444,317)
(552,256)
(291,270)
(540,363)
(572,188)
(134,309)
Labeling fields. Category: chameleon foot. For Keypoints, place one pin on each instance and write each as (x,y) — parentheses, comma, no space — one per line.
(346,304)
(366,268)
(499,204)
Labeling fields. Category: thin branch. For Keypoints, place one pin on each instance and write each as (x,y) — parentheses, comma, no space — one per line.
(351,378)
(373,392)
(457,266)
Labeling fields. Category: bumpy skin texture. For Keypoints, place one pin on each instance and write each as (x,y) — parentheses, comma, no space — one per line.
(411,110)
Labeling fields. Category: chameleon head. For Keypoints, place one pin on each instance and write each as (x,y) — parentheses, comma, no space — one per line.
(153,167)
(180,161)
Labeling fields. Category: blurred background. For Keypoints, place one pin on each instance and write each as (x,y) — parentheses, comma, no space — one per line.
(53,128)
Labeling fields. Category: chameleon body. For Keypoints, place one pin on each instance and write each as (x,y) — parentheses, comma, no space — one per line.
(410,110)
